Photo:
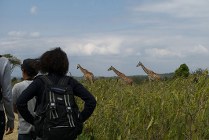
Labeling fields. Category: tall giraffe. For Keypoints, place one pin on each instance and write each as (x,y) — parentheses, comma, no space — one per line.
(151,75)
(87,74)
(128,80)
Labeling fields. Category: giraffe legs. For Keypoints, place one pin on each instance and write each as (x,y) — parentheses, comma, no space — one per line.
(89,78)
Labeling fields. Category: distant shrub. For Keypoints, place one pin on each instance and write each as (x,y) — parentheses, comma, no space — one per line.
(182,71)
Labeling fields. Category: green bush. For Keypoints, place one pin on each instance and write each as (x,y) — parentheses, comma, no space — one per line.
(182,71)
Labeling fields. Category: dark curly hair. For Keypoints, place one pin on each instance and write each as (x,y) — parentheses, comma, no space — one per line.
(30,67)
(54,61)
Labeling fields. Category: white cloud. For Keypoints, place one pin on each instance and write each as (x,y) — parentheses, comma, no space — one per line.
(144,45)
(33,10)
(157,52)
(178,52)
(34,34)
(129,51)
(23,34)
(155,47)
(17,33)
(178,8)
(200,49)
(90,46)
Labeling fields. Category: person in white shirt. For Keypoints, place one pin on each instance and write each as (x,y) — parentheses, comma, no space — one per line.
(29,71)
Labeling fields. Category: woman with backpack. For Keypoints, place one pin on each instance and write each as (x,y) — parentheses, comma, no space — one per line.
(51,123)
(29,71)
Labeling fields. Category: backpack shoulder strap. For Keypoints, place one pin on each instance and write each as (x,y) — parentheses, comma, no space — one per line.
(41,108)
(46,79)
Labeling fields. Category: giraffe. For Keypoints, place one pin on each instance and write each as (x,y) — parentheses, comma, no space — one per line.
(151,75)
(87,74)
(128,80)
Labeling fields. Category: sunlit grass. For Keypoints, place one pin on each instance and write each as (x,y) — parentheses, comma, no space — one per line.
(172,109)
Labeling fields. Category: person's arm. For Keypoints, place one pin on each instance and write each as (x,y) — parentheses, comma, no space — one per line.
(15,108)
(14,97)
(7,97)
(87,97)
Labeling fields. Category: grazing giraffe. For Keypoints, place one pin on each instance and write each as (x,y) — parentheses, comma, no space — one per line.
(151,75)
(87,75)
(128,80)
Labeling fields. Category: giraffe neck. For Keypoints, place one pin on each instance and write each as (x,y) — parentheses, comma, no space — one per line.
(117,72)
(82,70)
(145,69)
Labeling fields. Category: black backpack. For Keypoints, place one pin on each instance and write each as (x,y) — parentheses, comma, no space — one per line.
(58,113)
(1,93)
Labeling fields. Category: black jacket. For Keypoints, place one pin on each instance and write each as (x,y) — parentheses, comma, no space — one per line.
(36,88)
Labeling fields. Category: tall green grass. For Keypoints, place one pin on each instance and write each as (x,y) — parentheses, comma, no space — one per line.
(173,109)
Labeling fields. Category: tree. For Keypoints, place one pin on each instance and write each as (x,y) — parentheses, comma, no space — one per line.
(182,71)
(13,60)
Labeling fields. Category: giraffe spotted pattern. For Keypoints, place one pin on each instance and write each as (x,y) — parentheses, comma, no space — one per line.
(128,80)
(151,75)
(87,74)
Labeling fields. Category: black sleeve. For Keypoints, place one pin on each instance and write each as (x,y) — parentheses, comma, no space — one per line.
(89,100)
(32,90)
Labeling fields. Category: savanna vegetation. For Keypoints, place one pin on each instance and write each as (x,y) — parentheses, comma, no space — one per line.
(169,109)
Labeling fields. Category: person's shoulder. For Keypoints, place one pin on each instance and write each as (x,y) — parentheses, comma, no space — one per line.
(18,84)
(73,82)
(21,84)
(40,76)
(71,79)
(18,87)
(38,79)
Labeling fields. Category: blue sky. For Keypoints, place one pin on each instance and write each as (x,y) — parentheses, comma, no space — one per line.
(162,34)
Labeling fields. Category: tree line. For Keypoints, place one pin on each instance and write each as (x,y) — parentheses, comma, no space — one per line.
(182,71)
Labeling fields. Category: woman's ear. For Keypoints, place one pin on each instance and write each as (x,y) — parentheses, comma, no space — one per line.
(24,72)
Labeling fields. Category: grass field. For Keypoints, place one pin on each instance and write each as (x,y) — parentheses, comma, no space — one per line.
(171,109)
